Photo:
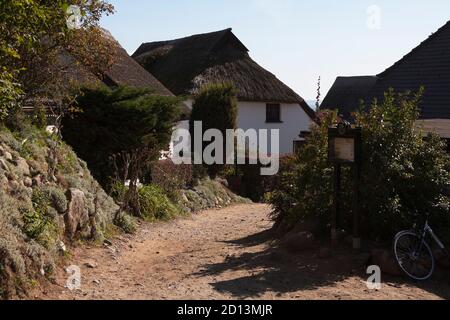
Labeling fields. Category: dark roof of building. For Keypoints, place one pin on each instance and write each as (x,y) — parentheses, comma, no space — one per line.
(185,65)
(427,65)
(348,91)
(125,71)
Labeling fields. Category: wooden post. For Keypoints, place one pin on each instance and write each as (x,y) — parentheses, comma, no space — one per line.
(336,204)
(356,208)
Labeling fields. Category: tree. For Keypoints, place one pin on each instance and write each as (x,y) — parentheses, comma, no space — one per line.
(216,107)
(33,34)
(119,133)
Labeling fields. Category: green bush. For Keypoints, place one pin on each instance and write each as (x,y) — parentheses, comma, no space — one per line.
(39,223)
(120,121)
(126,223)
(403,174)
(216,106)
(155,205)
(56,198)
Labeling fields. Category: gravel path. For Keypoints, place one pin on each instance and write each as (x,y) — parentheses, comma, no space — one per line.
(220,254)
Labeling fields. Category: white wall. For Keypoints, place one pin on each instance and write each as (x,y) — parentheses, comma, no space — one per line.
(252,115)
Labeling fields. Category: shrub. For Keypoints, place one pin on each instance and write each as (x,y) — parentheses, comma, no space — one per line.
(126,223)
(155,205)
(216,106)
(123,121)
(171,177)
(56,198)
(403,174)
(39,222)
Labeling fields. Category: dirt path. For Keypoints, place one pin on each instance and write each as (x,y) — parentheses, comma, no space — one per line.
(220,254)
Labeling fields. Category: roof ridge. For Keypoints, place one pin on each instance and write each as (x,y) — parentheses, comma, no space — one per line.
(191,36)
(413,51)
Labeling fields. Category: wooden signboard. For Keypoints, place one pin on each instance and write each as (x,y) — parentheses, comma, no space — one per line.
(344,149)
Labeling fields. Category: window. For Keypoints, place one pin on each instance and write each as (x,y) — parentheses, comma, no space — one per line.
(273,113)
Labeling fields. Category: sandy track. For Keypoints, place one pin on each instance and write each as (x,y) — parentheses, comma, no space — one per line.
(220,254)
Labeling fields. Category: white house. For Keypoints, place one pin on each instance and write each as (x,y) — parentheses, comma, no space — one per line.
(264,102)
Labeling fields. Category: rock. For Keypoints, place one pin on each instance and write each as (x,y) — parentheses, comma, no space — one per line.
(22,166)
(61,247)
(38,181)
(324,253)
(77,215)
(107,242)
(386,262)
(91,264)
(8,156)
(298,241)
(27,182)
(3,165)
(13,185)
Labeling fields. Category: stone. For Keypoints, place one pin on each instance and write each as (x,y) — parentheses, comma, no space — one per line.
(61,247)
(91,264)
(22,166)
(27,182)
(38,181)
(8,156)
(298,241)
(13,185)
(3,165)
(77,215)
(387,263)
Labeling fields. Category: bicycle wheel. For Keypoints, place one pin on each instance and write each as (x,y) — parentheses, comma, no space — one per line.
(414,258)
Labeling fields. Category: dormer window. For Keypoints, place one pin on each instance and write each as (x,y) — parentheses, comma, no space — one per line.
(273,113)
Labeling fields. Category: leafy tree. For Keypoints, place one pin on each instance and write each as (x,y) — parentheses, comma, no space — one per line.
(404,175)
(216,107)
(33,34)
(119,133)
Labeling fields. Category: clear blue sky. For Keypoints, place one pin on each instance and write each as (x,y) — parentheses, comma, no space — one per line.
(296,40)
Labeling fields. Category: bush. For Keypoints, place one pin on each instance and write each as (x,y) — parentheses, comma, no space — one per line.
(126,223)
(155,205)
(39,223)
(403,174)
(171,177)
(120,121)
(216,106)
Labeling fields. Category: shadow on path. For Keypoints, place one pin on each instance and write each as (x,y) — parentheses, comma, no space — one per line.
(272,269)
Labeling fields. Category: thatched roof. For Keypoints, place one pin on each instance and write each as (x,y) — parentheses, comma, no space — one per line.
(185,65)
(125,71)
(427,65)
(347,93)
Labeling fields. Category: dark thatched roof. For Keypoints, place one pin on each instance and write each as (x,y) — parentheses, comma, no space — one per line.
(427,65)
(125,71)
(185,65)
(348,91)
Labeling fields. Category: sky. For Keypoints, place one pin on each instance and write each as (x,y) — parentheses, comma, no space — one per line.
(296,40)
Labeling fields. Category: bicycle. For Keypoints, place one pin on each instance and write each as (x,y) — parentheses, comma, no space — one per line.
(413,253)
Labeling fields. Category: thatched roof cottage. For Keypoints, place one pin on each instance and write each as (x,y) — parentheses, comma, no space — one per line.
(427,65)
(264,102)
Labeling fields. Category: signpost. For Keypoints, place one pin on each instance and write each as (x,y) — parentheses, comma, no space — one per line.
(344,149)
